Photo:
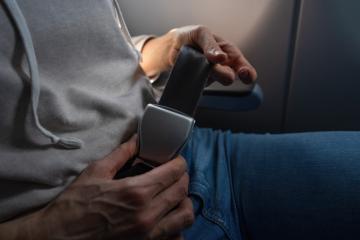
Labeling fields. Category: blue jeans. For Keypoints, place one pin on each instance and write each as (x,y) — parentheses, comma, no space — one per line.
(286,186)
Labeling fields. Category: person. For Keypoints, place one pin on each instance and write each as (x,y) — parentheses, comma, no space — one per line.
(73,86)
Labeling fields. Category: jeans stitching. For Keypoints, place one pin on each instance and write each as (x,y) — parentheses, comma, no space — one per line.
(206,211)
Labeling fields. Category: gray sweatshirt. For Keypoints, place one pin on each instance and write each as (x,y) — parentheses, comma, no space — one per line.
(71,90)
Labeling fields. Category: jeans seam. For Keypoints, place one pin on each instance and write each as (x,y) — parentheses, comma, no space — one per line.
(201,191)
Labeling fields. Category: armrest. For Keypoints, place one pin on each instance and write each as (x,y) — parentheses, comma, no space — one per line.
(237,97)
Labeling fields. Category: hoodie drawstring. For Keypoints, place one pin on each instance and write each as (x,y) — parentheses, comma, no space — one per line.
(21,25)
(124,29)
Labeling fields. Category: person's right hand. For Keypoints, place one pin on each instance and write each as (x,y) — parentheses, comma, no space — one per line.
(149,206)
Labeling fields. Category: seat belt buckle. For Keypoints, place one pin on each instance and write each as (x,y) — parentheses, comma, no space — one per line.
(166,127)
(162,134)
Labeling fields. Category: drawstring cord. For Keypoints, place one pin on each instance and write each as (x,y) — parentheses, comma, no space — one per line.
(124,29)
(20,22)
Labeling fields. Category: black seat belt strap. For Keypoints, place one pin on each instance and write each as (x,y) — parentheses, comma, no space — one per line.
(165,127)
(187,81)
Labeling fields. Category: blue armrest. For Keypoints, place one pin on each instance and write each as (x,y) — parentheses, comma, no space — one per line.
(221,98)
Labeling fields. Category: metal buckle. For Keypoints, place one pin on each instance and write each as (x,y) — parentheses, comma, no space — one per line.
(163,132)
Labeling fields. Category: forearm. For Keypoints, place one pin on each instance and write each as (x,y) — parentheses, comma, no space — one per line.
(159,54)
(28,227)
(155,55)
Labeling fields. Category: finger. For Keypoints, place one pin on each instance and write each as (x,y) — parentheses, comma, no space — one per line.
(237,61)
(222,74)
(203,38)
(175,222)
(160,178)
(112,163)
(247,75)
(240,65)
(165,201)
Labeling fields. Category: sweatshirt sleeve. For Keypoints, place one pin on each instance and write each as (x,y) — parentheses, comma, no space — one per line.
(139,41)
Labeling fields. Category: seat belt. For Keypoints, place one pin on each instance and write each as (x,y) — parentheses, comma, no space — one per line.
(166,127)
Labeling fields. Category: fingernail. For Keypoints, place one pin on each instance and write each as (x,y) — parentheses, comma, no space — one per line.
(216,52)
(245,77)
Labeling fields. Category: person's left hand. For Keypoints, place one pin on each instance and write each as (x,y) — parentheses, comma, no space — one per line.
(159,54)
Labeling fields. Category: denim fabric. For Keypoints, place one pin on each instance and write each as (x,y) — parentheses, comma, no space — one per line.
(287,186)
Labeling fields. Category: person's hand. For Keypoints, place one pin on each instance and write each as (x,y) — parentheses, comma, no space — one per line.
(159,54)
(149,206)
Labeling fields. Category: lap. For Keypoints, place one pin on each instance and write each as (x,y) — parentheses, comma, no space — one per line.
(286,186)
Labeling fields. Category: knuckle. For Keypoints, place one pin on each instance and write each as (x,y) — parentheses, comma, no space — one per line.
(188,213)
(180,167)
(182,191)
(160,233)
(188,218)
(137,197)
(202,28)
(198,32)
(183,161)
(138,200)
(128,184)
(183,188)
(188,204)
(170,201)
(125,187)
(179,193)
(176,172)
(144,224)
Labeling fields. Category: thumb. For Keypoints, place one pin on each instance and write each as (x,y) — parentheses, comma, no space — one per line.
(112,163)
(204,39)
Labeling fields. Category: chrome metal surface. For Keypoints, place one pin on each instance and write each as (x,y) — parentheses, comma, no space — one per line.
(162,133)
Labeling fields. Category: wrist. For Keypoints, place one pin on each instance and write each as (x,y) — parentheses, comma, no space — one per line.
(29,227)
(155,55)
